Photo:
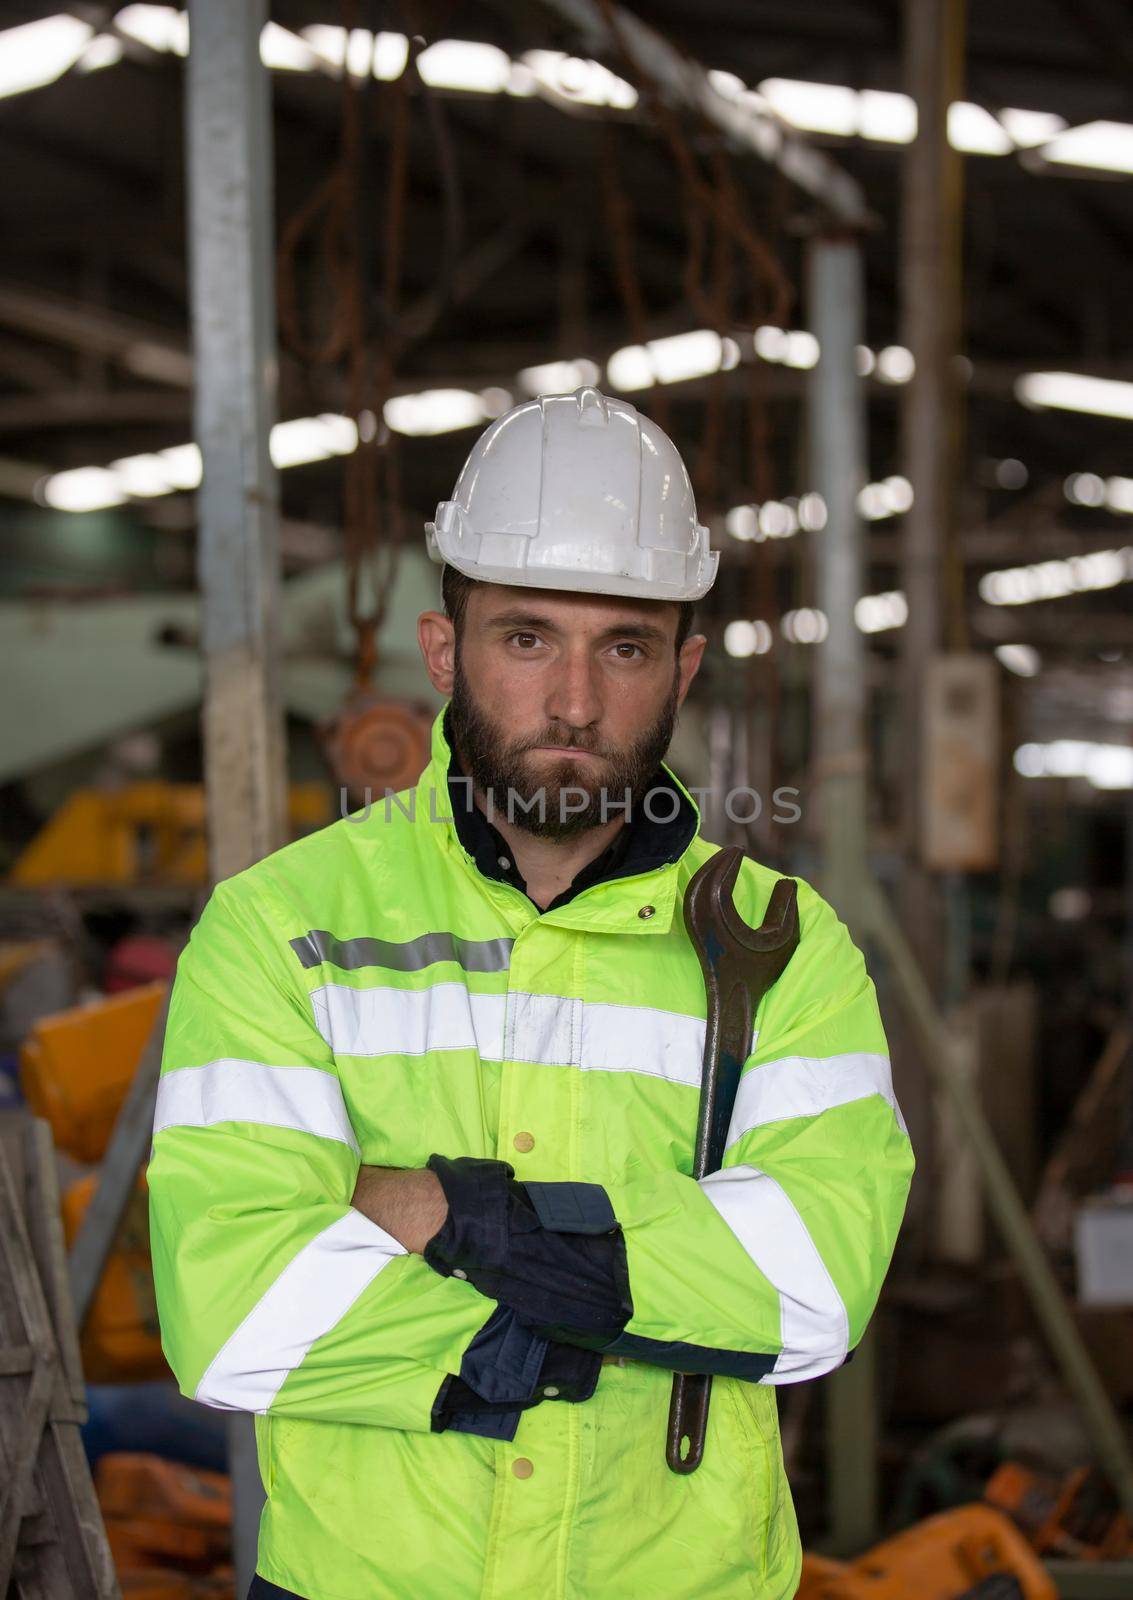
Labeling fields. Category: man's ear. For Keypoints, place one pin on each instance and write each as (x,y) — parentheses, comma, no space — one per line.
(436,636)
(689,662)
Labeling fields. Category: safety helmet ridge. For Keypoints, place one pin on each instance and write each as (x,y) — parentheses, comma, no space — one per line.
(576,492)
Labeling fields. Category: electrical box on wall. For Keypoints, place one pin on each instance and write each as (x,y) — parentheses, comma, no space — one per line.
(960,790)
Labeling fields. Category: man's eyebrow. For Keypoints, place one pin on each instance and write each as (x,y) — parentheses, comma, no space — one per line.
(647,632)
(522,619)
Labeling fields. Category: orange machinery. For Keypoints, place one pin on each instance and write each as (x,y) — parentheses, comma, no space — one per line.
(121,1339)
(1077,1518)
(76,1068)
(967,1554)
(169,1527)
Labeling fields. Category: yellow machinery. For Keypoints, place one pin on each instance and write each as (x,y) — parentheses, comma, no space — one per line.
(144,833)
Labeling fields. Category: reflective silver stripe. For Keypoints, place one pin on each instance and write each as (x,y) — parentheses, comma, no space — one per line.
(312,1294)
(306,1099)
(409,1022)
(658,1044)
(813,1325)
(597,1037)
(805,1086)
(543,1029)
(351,955)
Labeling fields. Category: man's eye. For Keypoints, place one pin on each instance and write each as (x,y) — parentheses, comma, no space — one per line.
(525,641)
(628,652)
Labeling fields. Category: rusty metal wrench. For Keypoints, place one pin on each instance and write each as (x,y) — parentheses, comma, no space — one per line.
(739,964)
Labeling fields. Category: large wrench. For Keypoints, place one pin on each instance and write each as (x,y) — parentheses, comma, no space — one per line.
(739,964)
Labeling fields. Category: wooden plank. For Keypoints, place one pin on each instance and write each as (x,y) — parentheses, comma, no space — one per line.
(52,1542)
(27,1402)
(44,1216)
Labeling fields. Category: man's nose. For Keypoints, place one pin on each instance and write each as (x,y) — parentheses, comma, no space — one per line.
(574,697)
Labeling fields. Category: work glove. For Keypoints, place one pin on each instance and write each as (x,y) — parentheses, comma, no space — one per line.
(552,1252)
(505,1371)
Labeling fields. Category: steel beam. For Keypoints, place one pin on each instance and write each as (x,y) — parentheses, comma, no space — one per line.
(233,303)
(142,347)
(82,406)
(231,263)
(837,462)
(837,458)
(1053,626)
(931,230)
(681,78)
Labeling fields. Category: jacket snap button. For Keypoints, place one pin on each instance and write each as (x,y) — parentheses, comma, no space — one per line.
(646,912)
(524,1142)
(522,1467)
(550,1392)
(459,1272)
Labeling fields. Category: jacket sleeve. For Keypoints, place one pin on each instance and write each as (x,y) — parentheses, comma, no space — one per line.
(767,1270)
(770,1268)
(273,1292)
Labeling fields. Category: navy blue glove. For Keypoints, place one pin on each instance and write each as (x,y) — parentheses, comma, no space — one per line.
(553,1252)
(505,1371)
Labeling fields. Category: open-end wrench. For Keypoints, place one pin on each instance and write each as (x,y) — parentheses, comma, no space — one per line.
(739,964)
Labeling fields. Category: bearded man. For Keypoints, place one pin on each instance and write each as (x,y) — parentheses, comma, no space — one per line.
(421,1192)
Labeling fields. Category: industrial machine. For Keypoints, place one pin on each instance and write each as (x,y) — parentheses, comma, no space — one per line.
(972,1553)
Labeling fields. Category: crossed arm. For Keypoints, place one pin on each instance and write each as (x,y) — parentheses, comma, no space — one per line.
(408,1202)
(292,1279)
(560,1298)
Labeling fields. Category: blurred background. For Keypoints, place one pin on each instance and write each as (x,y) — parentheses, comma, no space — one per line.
(869,264)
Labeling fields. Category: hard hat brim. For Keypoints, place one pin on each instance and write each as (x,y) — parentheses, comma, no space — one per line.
(570,580)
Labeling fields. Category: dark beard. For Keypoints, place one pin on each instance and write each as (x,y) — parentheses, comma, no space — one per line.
(497,769)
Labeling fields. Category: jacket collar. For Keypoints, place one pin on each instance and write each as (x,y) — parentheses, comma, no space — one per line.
(630,888)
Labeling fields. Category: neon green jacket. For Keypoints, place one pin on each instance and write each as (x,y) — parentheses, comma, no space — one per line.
(367,995)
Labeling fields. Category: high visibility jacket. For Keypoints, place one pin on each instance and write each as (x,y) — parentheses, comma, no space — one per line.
(366,995)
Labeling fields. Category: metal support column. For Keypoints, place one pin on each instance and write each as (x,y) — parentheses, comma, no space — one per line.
(931,232)
(229,151)
(838,461)
(837,450)
(233,299)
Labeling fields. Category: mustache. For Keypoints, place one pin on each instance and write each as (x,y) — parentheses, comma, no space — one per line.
(569,739)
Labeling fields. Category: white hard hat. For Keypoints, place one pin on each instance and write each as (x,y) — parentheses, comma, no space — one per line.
(576,491)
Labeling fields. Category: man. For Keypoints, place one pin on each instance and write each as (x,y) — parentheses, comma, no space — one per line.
(419,1192)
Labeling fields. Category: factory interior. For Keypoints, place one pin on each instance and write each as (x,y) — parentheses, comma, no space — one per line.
(868,264)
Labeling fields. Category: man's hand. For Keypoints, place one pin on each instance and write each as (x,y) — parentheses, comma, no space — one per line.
(408,1202)
(552,1252)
